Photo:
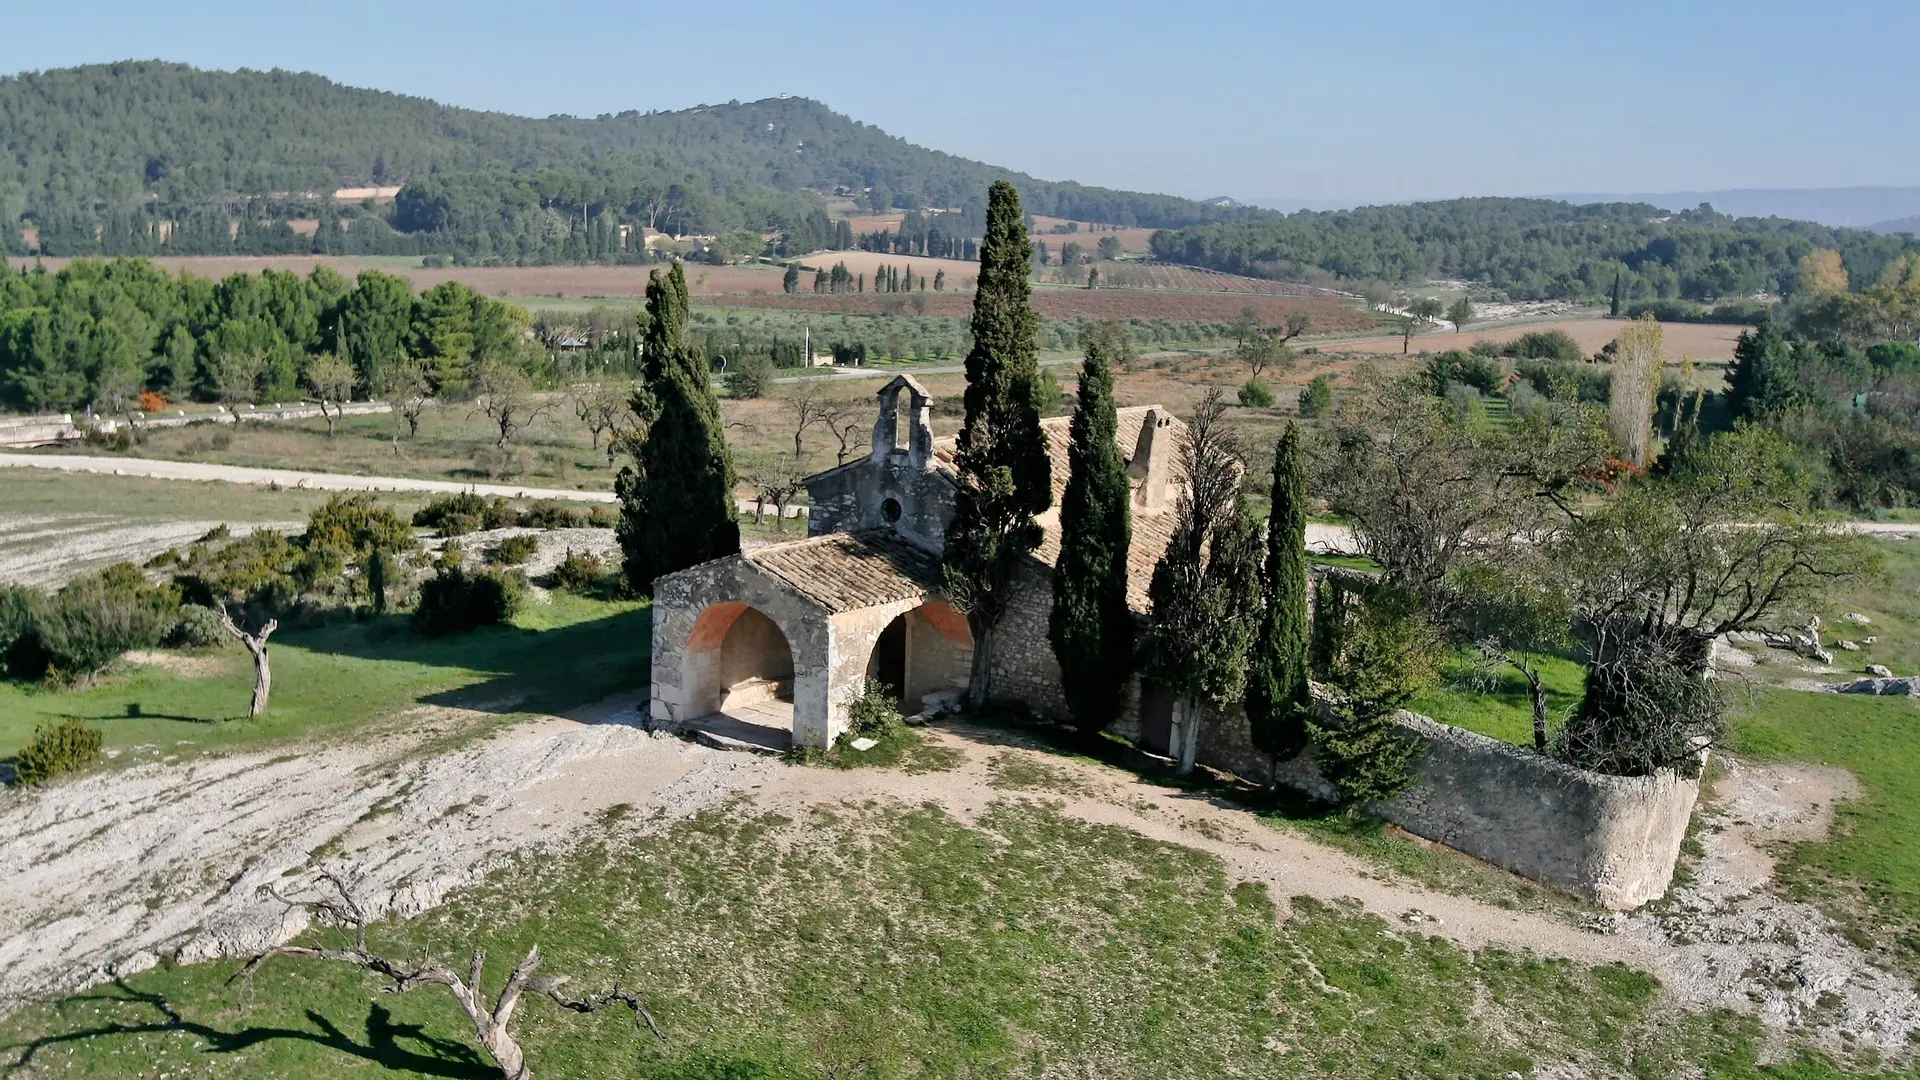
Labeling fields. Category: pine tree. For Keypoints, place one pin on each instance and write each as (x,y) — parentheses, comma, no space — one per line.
(1765,379)
(676,496)
(1091,627)
(1002,456)
(1278,699)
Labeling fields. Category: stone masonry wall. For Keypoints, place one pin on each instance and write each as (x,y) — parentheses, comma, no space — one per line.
(1024,668)
(1612,840)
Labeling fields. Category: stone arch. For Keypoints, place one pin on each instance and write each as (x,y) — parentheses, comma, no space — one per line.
(922,650)
(735,652)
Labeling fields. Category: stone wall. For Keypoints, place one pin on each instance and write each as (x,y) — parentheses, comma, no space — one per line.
(1612,840)
(1024,667)
(854,497)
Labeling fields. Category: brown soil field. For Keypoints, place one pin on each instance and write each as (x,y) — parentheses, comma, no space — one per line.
(1705,342)
(866,262)
(1329,315)
(1213,297)
(1089,234)
(866,223)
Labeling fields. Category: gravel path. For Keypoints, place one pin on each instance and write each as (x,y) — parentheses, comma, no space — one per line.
(289,478)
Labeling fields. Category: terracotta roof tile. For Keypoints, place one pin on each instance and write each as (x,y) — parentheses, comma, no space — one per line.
(849,571)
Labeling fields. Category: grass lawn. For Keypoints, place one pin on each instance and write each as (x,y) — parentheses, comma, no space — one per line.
(556,656)
(136,500)
(902,943)
(1494,700)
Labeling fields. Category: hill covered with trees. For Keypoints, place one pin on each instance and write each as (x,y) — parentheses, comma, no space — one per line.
(145,157)
(1538,249)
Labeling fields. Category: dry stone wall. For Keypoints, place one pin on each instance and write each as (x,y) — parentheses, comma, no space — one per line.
(1612,840)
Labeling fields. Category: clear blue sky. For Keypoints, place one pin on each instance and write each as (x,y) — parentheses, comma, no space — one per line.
(1357,102)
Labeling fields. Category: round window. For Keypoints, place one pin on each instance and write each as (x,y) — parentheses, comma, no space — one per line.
(890,510)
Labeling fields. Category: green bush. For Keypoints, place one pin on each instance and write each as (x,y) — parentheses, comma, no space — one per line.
(454,600)
(548,515)
(1377,649)
(1546,345)
(356,525)
(513,550)
(581,572)
(1464,368)
(91,621)
(752,377)
(65,747)
(198,628)
(22,656)
(875,714)
(456,515)
(1317,398)
(264,570)
(601,517)
(1255,394)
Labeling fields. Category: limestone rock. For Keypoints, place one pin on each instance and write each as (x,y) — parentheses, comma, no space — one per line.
(1858,619)
(1847,646)
(1880,671)
(1879,687)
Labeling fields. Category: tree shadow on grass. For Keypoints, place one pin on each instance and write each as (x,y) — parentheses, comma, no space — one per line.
(428,1055)
(548,670)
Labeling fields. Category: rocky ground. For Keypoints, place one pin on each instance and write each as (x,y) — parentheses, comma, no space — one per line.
(111,871)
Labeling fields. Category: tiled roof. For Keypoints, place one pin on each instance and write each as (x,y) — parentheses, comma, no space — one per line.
(1151,535)
(848,571)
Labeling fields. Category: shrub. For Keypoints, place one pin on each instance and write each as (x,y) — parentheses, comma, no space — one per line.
(22,656)
(262,570)
(875,714)
(65,747)
(222,440)
(91,621)
(452,515)
(454,600)
(1568,380)
(549,515)
(1546,345)
(356,525)
(1317,398)
(513,550)
(601,517)
(1482,373)
(1255,394)
(198,628)
(580,572)
(751,378)
(1377,649)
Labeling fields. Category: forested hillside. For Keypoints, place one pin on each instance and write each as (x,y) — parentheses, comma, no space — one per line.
(138,158)
(1538,248)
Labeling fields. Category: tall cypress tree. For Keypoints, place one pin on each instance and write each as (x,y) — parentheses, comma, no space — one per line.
(676,496)
(1091,628)
(1278,699)
(1002,457)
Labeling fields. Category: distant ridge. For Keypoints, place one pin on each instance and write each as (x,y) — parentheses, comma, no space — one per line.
(1899,225)
(1841,207)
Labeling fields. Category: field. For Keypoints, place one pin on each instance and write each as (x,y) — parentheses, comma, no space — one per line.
(1171,292)
(1088,235)
(1704,342)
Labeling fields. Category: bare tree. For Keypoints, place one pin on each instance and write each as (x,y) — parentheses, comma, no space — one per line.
(777,483)
(407,389)
(331,380)
(491,1020)
(807,406)
(843,422)
(598,405)
(257,645)
(508,399)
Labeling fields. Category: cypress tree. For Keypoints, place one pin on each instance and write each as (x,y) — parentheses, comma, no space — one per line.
(1002,456)
(1279,702)
(1090,626)
(676,495)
